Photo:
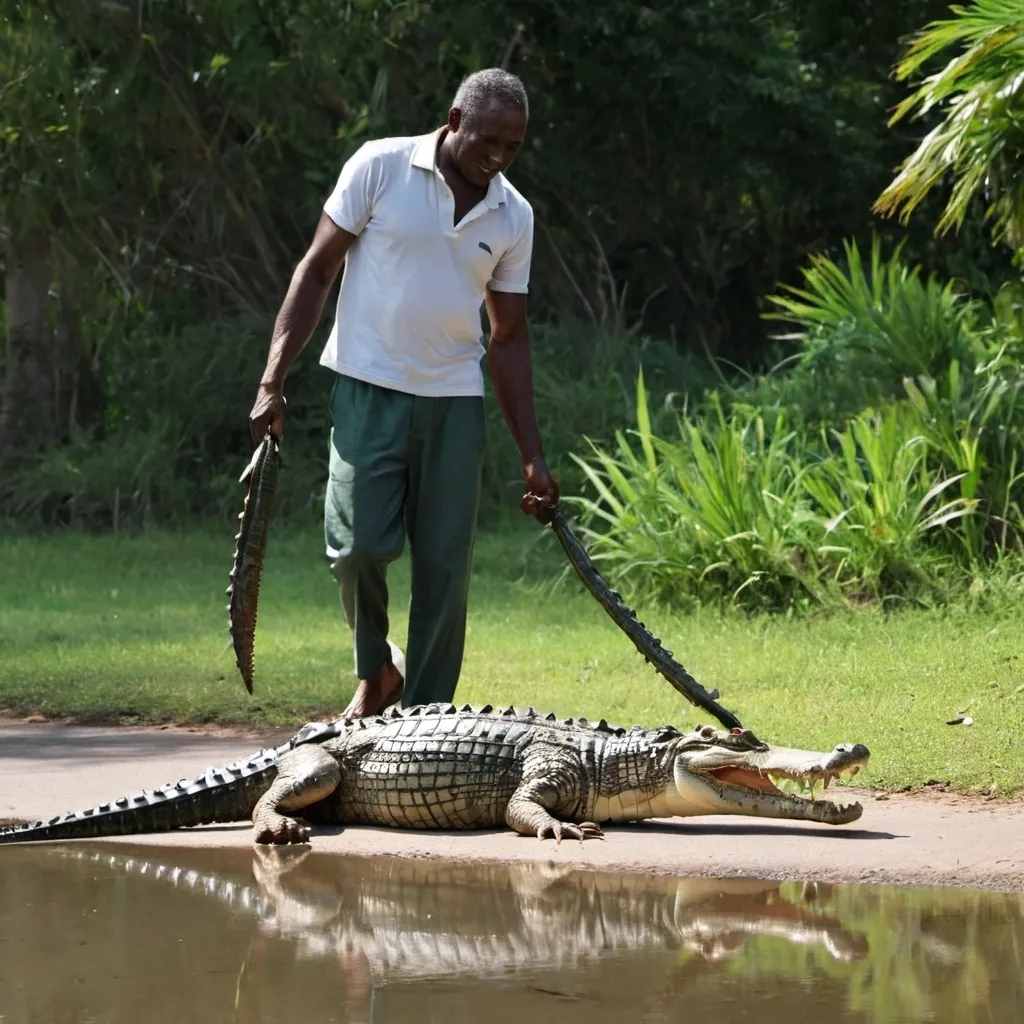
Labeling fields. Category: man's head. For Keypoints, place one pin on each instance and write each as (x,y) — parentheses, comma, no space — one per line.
(487,124)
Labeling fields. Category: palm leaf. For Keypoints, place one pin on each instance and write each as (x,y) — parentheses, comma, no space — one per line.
(979,141)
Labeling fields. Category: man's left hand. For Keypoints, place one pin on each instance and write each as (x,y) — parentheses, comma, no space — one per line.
(541,490)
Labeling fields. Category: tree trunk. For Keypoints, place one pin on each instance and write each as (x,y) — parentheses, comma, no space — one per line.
(28,398)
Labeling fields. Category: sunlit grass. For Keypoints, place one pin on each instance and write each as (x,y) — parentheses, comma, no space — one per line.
(134,630)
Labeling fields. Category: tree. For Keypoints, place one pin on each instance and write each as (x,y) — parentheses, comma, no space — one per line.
(66,141)
(978,97)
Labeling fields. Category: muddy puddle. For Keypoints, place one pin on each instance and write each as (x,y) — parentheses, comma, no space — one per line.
(91,934)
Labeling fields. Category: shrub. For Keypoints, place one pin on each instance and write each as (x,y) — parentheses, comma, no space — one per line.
(174,437)
(584,386)
(860,330)
(744,511)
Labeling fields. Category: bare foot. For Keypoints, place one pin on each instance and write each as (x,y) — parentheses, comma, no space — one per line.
(374,695)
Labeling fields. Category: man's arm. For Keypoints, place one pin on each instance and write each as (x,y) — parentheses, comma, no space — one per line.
(508,360)
(299,314)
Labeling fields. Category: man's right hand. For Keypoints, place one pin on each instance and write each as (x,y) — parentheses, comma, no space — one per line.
(267,411)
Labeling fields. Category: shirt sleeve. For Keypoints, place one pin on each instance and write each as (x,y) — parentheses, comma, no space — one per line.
(351,203)
(512,271)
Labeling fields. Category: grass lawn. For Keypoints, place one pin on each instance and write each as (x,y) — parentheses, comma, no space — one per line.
(135,629)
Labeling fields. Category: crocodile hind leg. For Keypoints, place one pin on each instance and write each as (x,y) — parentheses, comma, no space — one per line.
(552,780)
(305,776)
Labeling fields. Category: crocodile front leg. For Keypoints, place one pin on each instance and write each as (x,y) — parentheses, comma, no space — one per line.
(553,780)
(305,775)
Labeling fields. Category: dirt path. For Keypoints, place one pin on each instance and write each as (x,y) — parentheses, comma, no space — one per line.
(934,839)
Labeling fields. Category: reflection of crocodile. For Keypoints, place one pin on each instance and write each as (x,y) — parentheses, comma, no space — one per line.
(436,766)
(415,920)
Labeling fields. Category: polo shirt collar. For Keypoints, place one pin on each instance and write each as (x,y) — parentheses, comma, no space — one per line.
(424,153)
(424,156)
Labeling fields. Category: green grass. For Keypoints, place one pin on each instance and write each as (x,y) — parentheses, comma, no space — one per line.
(134,629)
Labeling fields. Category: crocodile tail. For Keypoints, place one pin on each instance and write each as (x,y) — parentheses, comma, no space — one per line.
(250,549)
(218,794)
(625,618)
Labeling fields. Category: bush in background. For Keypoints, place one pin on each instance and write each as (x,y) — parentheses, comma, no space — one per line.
(880,463)
(175,434)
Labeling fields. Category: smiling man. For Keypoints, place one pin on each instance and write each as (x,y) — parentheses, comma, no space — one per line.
(429,229)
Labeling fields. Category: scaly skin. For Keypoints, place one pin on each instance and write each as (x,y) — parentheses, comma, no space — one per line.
(250,547)
(436,766)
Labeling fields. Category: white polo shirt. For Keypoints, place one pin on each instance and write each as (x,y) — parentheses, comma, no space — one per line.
(409,308)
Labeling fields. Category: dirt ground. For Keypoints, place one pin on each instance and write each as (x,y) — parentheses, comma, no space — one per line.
(901,839)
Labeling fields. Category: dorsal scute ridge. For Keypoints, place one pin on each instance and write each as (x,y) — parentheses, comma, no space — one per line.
(318,732)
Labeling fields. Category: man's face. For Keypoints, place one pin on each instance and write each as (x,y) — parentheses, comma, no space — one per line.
(486,143)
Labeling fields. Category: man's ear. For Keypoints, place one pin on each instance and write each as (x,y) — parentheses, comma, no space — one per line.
(454,119)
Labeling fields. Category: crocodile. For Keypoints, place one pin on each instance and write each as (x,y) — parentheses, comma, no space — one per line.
(440,767)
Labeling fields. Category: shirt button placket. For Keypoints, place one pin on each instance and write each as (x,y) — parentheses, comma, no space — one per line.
(447,206)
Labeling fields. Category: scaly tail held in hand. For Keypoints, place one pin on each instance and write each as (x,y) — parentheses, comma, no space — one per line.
(250,548)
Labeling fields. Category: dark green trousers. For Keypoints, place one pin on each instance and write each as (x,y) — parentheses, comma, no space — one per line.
(402,465)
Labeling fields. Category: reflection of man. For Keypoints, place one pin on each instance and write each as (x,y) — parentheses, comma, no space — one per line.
(431,229)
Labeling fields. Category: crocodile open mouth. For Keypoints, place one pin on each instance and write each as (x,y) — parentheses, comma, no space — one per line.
(767,782)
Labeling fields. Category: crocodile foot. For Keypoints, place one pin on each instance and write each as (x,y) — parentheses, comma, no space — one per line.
(560,830)
(279,830)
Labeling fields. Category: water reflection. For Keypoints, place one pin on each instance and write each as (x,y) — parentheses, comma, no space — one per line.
(121,933)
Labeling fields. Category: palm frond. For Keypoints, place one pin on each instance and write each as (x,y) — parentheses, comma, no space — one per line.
(979,95)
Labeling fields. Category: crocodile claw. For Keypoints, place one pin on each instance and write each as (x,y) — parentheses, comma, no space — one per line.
(281,831)
(560,830)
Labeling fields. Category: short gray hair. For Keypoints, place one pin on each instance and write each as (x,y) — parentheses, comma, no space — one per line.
(490,84)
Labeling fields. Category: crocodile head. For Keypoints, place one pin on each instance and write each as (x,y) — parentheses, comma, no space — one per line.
(715,771)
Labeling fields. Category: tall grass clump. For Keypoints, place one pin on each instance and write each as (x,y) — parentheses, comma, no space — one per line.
(857,329)
(744,511)
(881,463)
(720,510)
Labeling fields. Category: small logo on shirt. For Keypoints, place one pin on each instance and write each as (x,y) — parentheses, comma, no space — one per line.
(486,248)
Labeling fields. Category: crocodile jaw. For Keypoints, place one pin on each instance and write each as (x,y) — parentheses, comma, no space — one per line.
(743,788)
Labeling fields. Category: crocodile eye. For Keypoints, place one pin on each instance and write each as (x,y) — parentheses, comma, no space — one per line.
(708,732)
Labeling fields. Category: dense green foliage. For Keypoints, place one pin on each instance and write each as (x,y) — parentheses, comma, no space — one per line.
(162,165)
(880,460)
(703,172)
(881,463)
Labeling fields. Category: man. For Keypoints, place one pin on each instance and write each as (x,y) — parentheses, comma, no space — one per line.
(429,229)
